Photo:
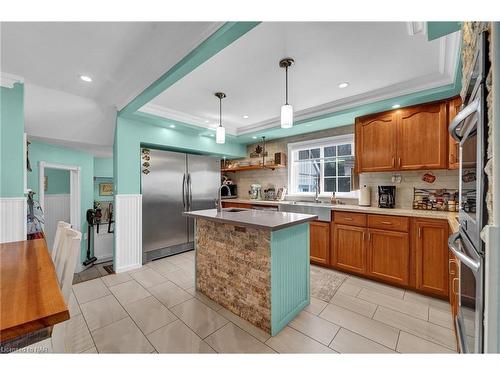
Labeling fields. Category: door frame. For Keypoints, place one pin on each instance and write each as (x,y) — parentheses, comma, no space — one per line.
(74,190)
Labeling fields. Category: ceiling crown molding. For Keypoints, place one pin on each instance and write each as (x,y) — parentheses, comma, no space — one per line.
(8,80)
(168,113)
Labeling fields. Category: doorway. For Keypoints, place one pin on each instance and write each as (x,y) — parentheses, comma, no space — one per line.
(60,197)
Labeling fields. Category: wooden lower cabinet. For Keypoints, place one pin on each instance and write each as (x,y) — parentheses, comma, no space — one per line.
(349,248)
(431,256)
(453,283)
(319,242)
(388,256)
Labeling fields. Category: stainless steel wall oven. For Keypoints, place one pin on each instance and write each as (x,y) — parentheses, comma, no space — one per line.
(469,129)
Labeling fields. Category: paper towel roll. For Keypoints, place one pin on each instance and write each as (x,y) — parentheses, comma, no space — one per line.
(364,196)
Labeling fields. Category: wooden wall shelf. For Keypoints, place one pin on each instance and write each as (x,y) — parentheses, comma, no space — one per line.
(253,167)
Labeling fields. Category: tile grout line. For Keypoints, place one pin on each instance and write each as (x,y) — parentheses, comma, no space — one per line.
(375,342)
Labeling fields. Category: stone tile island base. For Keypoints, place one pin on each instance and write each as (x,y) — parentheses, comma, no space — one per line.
(260,275)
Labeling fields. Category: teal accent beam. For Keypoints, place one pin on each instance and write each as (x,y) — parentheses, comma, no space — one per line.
(436,30)
(216,42)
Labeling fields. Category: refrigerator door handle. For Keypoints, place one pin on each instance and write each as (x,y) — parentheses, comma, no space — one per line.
(455,249)
(189,192)
(184,191)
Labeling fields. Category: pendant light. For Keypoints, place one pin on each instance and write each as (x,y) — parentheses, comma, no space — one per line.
(220,135)
(286,109)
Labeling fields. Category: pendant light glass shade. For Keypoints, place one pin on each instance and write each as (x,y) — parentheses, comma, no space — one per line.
(286,109)
(286,116)
(220,136)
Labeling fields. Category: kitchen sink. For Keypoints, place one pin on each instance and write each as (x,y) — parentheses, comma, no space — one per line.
(322,210)
(234,209)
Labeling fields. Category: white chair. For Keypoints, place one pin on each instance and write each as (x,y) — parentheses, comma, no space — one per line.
(57,239)
(69,253)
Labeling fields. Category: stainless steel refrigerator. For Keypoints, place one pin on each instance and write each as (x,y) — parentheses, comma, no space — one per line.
(176,182)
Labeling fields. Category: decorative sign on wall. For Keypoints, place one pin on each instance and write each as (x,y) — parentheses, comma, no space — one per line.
(106,189)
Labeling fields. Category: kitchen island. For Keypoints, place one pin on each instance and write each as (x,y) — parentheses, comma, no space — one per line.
(254,263)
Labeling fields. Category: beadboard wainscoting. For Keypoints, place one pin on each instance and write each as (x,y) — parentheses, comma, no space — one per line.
(13,219)
(57,208)
(128,232)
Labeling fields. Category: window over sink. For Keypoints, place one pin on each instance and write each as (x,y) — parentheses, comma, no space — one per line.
(327,161)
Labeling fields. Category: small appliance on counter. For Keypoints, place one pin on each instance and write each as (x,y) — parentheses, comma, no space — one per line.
(270,194)
(364,196)
(255,190)
(386,196)
(232,192)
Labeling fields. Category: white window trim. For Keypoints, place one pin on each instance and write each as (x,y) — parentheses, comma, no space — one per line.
(317,143)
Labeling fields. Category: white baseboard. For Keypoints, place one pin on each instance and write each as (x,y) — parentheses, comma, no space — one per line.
(128,232)
(13,219)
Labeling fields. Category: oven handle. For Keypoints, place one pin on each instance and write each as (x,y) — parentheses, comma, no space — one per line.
(461,116)
(452,245)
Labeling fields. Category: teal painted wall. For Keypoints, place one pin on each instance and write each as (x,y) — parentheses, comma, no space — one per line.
(103,167)
(97,196)
(40,151)
(57,181)
(133,131)
(11,141)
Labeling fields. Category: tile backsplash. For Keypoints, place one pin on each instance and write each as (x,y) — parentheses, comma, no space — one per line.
(409,180)
(279,177)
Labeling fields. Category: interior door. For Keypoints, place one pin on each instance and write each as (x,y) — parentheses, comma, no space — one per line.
(203,180)
(163,224)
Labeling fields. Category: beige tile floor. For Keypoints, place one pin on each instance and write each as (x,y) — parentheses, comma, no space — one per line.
(156,310)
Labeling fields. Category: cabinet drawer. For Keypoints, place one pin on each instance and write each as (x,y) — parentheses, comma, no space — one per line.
(350,218)
(398,223)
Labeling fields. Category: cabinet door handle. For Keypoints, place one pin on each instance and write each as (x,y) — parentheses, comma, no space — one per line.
(453,289)
(399,162)
(450,262)
(369,237)
(348,218)
(386,222)
(393,161)
(419,232)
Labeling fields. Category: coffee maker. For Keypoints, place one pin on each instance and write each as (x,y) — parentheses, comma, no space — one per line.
(386,196)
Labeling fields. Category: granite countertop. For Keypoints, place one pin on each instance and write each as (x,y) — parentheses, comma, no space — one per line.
(270,220)
(450,216)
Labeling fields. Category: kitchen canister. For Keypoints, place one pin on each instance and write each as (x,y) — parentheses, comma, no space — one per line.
(364,196)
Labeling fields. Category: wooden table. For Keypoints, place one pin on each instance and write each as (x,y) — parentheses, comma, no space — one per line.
(30,297)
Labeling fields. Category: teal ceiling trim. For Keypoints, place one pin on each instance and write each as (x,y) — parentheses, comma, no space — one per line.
(436,30)
(216,42)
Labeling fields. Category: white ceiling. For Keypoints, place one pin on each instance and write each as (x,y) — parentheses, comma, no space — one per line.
(123,58)
(380,60)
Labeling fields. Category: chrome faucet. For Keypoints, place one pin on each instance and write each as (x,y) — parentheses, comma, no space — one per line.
(318,188)
(218,201)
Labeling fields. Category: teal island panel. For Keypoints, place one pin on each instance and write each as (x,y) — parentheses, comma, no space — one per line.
(290,284)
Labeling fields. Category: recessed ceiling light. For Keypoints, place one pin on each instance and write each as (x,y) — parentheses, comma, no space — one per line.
(211,135)
(343,85)
(207,121)
(172,126)
(396,106)
(85,78)
(245,116)
(254,137)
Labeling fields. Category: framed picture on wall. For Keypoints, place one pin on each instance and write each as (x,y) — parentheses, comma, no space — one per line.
(106,189)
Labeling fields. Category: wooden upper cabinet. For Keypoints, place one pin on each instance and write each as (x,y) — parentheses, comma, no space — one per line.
(431,256)
(320,242)
(422,137)
(349,248)
(375,142)
(410,138)
(454,106)
(388,256)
